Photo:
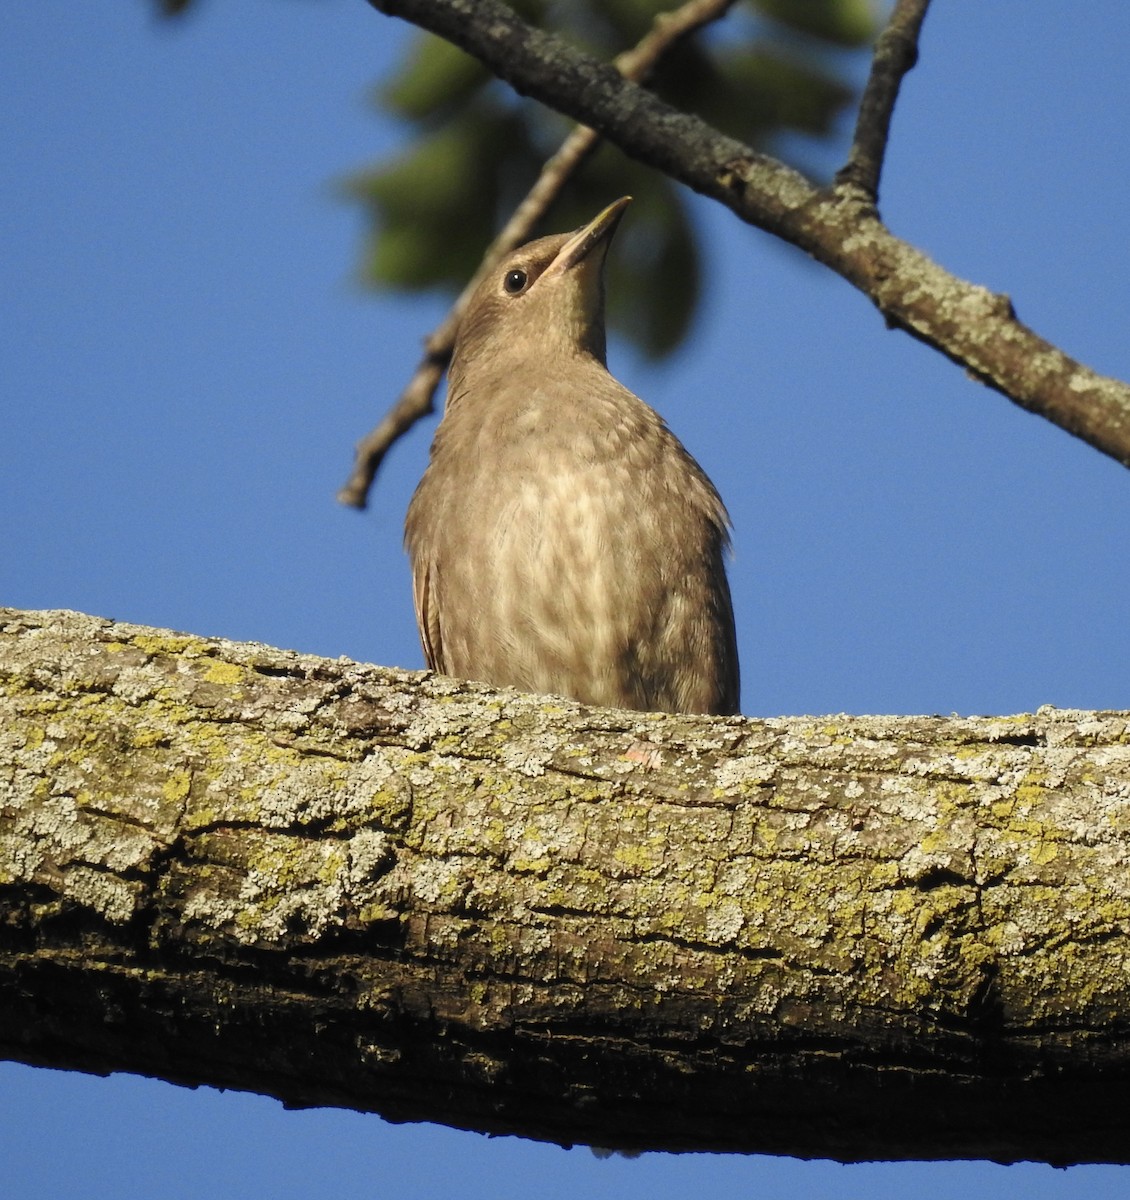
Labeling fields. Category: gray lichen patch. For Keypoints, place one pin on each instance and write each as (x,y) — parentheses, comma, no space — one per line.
(255,798)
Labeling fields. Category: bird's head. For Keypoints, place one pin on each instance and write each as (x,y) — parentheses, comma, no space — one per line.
(544,301)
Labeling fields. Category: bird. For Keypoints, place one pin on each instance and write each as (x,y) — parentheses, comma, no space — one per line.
(561,539)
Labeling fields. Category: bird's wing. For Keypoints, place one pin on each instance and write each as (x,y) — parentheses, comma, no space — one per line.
(426,600)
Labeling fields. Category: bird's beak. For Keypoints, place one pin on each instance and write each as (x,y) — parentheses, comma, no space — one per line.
(599,230)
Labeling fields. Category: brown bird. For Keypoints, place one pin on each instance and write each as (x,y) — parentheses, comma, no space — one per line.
(562,539)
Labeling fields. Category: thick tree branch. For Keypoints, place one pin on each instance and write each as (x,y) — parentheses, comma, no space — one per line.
(850,937)
(839,226)
(896,52)
(418,398)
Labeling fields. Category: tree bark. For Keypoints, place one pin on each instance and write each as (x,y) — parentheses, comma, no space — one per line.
(848,937)
(838,226)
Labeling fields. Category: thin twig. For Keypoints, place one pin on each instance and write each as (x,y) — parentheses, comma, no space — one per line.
(896,52)
(418,398)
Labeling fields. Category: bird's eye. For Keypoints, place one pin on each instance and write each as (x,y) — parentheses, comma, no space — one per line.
(514,282)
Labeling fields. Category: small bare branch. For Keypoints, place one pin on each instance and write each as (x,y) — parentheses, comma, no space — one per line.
(896,52)
(418,398)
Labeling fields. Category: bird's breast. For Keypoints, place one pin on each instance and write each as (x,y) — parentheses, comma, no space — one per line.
(559,537)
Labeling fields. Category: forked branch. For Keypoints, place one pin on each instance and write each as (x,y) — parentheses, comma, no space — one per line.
(838,226)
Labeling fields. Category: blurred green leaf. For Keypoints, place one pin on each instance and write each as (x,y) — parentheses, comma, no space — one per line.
(613,23)
(435,76)
(845,22)
(433,208)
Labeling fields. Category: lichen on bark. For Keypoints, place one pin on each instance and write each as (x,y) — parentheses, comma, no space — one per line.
(337,883)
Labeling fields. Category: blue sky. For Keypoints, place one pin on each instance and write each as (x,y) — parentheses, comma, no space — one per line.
(186,363)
